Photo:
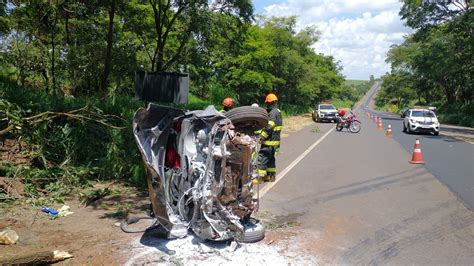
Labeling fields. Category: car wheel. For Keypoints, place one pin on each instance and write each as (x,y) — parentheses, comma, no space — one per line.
(248,117)
(254,231)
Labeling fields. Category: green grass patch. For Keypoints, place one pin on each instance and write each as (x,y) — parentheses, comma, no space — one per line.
(342,103)
(353,82)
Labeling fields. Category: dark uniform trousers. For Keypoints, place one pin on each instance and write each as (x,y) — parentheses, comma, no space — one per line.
(270,144)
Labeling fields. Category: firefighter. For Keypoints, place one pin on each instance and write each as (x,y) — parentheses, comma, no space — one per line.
(228,104)
(270,141)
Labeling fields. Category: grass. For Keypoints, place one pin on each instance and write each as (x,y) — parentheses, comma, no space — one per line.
(342,103)
(295,123)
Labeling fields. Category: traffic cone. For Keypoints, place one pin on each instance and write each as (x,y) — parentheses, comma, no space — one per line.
(389,131)
(417,157)
(379,125)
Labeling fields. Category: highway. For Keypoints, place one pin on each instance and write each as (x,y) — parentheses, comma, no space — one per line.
(355,199)
(447,158)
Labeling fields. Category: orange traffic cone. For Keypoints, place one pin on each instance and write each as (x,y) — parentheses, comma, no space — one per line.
(417,157)
(379,125)
(389,131)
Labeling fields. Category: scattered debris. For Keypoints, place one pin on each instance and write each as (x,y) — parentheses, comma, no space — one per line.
(233,246)
(8,237)
(50,211)
(45,257)
(64,211)
(191,250)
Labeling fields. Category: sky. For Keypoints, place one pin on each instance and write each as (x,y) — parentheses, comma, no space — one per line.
(357,33)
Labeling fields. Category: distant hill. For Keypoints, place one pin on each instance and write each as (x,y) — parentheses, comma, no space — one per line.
(353,82)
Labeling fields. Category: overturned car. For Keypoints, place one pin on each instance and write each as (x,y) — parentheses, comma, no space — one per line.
(200,166)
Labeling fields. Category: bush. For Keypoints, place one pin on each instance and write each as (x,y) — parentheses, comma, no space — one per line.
(73,151)
(291,109)
(457,114)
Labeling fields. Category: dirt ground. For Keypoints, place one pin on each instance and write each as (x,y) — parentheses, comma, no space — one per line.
(90,234)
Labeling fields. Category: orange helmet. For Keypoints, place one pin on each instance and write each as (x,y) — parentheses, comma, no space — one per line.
(271,97)
(228,102)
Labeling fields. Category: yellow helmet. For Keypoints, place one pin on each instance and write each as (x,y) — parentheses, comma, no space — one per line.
(271,97)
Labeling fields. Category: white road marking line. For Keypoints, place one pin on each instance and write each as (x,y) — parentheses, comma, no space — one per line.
(293,164)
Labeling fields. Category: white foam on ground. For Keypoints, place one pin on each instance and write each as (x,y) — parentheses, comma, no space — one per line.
(193,251)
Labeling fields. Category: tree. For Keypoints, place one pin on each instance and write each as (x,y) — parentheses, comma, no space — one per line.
(419,14)
(177,21)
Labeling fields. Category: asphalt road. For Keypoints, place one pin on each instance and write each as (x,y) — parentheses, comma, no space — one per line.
(354,198)
(447,158)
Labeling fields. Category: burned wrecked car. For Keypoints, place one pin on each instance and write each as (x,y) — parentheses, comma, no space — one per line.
(200,166)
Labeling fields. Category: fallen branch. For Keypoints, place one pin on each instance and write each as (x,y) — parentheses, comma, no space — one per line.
(73,116)
(45,257)
(49,112)
(6,130)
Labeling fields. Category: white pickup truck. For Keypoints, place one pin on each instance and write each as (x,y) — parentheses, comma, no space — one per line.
(325,112)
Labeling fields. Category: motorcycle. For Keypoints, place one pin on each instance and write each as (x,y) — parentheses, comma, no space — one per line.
(350,122)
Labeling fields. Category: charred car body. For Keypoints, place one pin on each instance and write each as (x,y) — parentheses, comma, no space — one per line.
(200,166)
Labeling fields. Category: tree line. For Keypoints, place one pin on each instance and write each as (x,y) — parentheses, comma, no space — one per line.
(434,64)
(67,78)
(85,48)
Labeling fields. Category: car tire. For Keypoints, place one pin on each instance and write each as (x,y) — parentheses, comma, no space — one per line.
(254,231)
(248,117)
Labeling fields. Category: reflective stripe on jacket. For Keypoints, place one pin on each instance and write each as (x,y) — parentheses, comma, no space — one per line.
(271,133)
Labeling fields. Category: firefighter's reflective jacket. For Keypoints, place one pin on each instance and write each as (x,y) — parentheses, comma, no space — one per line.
(270,135)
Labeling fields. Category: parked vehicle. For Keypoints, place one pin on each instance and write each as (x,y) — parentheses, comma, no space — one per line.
(348,120)
(420,119)
(200,167)
(324,112)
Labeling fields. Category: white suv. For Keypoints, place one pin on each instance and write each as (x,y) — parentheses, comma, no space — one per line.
(420,120)
(325,112)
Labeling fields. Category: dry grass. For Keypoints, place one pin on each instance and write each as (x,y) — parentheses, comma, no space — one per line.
(295,123)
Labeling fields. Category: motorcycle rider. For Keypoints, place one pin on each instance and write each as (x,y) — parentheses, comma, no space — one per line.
(228,104)
(270,141)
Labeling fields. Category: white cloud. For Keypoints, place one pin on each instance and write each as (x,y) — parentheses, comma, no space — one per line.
(358,33)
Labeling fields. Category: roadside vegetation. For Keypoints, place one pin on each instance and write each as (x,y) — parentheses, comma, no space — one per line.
(433,66)
(67,80)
